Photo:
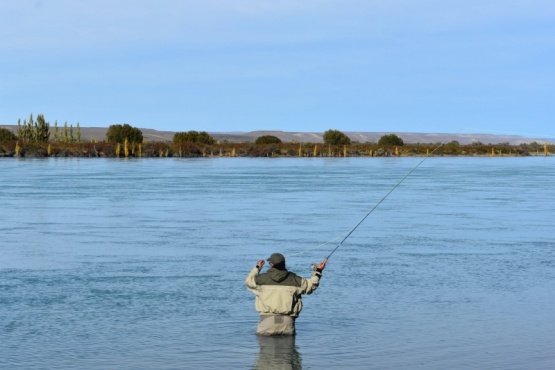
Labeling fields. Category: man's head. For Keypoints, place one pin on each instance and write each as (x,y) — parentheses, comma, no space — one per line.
(277,260)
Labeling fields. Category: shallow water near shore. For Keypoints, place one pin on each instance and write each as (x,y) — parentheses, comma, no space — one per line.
(140,264)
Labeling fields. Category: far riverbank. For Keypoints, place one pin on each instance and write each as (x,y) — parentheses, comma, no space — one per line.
(149,149)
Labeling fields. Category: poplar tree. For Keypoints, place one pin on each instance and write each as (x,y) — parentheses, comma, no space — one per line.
(56,132)
(42,130)
(19,129)
(24,131)
(30,129)
(66,133)
(37,131)
(78,133)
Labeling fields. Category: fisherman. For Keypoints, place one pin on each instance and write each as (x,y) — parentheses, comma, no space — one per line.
(278,294)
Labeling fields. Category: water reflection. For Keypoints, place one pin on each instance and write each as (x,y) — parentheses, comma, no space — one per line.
(278,352)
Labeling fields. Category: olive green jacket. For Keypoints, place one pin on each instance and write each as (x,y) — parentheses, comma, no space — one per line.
(278,292)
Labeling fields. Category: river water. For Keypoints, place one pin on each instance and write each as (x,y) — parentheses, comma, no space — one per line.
(140,264)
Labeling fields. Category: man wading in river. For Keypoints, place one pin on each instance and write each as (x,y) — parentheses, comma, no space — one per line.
(278,295)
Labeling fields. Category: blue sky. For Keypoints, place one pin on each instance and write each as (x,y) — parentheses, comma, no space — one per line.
(244,65)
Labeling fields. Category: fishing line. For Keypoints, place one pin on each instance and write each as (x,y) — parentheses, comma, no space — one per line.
(311,249)
(388,193)
(448,139)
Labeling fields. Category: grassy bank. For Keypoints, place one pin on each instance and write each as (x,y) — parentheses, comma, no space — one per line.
(105,149)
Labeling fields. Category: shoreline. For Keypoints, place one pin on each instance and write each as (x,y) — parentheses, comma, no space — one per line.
(99,134)
(15,149)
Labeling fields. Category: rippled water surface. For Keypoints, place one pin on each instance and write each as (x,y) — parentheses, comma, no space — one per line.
(140,264)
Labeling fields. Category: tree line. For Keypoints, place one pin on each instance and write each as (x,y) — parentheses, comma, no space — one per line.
(36,137)
(39,131)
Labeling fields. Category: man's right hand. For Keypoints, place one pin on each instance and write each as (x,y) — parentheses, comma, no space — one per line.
(260,263)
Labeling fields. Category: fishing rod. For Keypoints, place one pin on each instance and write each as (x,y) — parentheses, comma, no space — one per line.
(387,194)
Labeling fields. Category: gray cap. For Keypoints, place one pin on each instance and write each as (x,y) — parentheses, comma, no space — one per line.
(276,258)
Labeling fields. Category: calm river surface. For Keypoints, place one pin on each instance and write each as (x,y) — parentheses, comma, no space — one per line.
(140,264)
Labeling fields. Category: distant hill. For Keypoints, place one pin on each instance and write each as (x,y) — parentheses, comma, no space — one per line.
(373,137)
(99,133)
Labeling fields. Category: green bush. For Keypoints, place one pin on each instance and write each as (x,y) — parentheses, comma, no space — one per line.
(118,134)
(192,137)
(6,135)
(335,137)
(391,139)
(268,139)
(187,144)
